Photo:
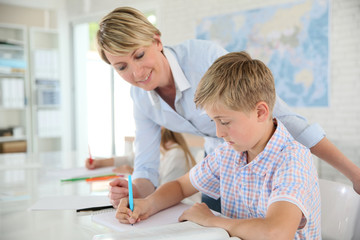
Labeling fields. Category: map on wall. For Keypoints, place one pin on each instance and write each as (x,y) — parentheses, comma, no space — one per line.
(291,39)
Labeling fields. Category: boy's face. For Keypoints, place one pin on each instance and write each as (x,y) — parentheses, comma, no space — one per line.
(242,131)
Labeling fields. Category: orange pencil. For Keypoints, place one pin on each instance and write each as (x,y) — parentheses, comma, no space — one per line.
(103,178)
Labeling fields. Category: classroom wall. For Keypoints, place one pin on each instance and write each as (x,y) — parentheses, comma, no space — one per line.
(31,17)
(177,20)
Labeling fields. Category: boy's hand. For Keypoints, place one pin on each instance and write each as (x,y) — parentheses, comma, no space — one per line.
(141,211)
(199,213)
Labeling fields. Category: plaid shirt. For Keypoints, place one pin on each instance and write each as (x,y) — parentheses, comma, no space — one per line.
(283,171)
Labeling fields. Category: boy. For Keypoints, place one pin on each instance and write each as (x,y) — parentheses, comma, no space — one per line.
(266,180)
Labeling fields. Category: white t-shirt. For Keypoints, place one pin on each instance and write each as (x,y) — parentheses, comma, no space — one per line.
(172,164)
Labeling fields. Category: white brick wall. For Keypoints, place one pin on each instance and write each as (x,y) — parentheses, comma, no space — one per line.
(177,20)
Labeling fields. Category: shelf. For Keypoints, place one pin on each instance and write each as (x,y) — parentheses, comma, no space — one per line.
(14,87)
(57,107)
(45,79)
(11,75)
(12,139)
(9,47)
(49,137)
(12,109)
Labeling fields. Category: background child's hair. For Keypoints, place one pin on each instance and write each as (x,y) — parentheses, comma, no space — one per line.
(238,81)
(167,135)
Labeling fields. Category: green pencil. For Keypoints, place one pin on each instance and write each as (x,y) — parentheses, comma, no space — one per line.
(84,178)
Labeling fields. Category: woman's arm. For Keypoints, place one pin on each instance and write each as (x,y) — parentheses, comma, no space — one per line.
(328,152)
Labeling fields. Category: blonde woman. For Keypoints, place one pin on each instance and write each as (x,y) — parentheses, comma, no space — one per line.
(164,80)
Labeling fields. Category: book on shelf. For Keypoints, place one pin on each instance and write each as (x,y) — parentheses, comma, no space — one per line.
(6,70)
(12,93)
(13,63)
(11,41)
(13,147)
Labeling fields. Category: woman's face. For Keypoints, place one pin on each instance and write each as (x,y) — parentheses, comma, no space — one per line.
(146,67)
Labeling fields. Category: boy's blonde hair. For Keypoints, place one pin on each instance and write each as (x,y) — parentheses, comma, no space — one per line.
(237,81)
(168,135)
(124,30)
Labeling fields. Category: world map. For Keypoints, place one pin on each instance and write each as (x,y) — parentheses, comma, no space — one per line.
(291,39)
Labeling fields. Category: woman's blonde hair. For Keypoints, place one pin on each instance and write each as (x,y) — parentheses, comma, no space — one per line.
(237,81)
(124,30)
(168,135)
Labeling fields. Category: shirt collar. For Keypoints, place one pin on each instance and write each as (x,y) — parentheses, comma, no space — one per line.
(276,143)
(181,83)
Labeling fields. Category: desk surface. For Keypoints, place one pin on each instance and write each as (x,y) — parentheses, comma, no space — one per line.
(23,181)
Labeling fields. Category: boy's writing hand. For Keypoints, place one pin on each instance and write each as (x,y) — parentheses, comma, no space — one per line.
(199,213)
(125,215)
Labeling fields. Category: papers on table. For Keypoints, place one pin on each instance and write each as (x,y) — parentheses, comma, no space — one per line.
(78,172)
(70,202)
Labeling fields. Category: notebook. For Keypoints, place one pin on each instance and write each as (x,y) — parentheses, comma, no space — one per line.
(167,216)
(162,225)
(176,231)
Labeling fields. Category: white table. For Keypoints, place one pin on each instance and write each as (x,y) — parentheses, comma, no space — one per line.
(23,181)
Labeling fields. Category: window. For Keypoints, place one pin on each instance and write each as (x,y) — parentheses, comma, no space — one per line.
(103,107)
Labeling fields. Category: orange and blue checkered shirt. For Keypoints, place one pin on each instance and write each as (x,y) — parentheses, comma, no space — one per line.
(283,171)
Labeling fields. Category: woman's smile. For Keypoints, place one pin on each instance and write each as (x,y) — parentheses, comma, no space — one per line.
(146,80)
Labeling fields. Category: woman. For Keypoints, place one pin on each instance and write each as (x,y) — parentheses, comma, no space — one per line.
(163,81)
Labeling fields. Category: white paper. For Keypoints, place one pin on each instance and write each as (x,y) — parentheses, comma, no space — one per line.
(79,172)
(177,231)
(167,216)
(70,202)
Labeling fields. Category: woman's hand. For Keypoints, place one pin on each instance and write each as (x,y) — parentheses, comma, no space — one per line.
(118,190)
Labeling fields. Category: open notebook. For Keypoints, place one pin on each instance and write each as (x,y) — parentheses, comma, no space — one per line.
(162,225)
(176,231)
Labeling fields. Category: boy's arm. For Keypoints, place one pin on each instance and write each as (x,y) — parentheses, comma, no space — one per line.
(281,222)
(171,193)
(165,196)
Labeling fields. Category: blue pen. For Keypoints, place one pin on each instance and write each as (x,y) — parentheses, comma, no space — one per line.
(131,197)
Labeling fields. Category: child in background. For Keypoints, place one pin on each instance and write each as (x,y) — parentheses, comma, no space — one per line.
(176,159)
(122,164)
(266,180)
